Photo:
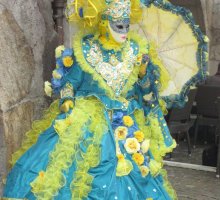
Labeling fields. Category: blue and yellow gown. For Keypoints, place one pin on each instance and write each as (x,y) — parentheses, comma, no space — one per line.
(111,144)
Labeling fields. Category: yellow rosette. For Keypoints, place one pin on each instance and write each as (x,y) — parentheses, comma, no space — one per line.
(138,158)
(128,121)
(121,132)
(68,61)
(139,135)
(144,170)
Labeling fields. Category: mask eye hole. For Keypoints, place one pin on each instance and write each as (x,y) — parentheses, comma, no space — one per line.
(119,26)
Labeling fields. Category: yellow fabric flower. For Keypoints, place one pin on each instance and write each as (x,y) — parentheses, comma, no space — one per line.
(144,170)
(138,158)
(132,145)
(121,132)
(124,167)
(145,146)
(59,50)
(139,135)
(128,121)
(120,157)
(68,61)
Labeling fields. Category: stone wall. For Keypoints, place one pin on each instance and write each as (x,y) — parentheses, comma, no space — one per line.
(213,7)
(27,39)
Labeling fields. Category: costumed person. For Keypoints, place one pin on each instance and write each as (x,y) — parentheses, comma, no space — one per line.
(106,137)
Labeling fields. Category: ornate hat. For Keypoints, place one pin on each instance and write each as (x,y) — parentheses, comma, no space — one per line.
(117,9)
(88,12)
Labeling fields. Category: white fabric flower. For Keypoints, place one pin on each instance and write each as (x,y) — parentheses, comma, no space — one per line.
(121,132)
(144,170)
(132,145)
(48,88)
(59,50)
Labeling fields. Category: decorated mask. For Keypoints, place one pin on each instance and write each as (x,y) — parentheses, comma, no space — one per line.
(119,30)
(118,14)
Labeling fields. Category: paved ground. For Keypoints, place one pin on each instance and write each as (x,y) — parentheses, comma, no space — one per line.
(194,185)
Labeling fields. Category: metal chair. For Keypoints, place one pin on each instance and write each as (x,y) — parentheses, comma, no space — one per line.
(179,119)
(207,115)
(218,155)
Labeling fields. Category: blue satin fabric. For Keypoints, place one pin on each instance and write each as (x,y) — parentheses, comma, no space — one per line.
(27,168)
(106,185)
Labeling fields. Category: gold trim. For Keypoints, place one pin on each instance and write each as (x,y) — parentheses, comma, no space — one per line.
(67,91)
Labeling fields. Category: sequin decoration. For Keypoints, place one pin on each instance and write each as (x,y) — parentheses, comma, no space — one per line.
(114,72)
(117,9)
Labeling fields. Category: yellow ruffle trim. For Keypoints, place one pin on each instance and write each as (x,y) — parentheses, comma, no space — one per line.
(87,112)
(37,128)
(81,184)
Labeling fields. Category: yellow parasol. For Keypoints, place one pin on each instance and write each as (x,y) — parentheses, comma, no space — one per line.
(180,45)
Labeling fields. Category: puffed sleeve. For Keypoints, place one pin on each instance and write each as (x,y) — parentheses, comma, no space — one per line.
(67,76)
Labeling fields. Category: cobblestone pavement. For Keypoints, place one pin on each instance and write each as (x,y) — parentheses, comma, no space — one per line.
(193,184)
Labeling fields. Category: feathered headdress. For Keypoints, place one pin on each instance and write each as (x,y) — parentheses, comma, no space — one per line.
(89,12)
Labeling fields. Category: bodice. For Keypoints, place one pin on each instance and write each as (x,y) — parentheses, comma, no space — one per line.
(113,66)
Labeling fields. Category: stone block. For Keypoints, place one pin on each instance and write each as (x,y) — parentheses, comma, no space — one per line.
(216,15)
(16,61)
(215,52)
(16,122)
(213,67)
(13,124)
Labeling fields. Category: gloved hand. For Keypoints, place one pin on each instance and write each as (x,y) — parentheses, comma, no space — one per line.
(66,106)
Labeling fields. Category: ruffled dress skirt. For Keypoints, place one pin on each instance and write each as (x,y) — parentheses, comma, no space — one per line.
(76,158)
